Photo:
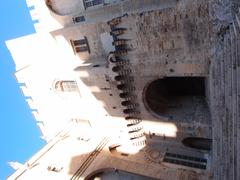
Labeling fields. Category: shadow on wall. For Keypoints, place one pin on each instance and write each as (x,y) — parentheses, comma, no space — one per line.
(176,97)
(115,174)
(113,165)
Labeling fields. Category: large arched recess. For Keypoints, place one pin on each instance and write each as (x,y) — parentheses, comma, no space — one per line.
(177,98)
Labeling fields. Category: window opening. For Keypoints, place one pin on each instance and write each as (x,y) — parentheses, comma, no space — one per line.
(78,19)
(184,160)
(81,45)
(66,86)
(79,42)
(81,49)
(90,3)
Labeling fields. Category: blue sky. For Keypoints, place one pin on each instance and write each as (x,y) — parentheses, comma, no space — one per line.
(19,135)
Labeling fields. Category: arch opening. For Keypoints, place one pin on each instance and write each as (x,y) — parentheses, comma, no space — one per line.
(198,143)
(177,98)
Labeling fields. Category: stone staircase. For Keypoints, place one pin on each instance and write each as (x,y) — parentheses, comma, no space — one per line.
(225,107)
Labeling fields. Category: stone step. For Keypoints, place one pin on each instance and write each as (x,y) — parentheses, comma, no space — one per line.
(231,112)
(225,117)
(234,102)
(226,122)
(223,100)
(217,123)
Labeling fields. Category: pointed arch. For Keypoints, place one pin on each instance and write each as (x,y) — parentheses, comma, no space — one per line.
(66,86)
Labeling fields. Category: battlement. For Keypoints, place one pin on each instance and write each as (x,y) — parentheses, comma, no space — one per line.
(42,17)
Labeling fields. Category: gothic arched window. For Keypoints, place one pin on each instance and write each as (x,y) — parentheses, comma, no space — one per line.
(66,86)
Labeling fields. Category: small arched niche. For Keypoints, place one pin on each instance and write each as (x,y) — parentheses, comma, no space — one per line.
(198,143)
(177,98)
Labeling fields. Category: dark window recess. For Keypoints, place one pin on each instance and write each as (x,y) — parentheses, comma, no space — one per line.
(124,154)
(78,19)
(90,3)
(184,160)
(198,143)
(97,2)
(190,158)
(81,45)
(183,163)
(81,49)
(79,42)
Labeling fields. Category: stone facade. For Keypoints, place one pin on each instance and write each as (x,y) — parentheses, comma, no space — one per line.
(137,89)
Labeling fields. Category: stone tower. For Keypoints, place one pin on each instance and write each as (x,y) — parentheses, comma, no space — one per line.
(132,89)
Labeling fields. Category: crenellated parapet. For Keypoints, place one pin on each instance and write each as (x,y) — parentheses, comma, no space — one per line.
(42,18)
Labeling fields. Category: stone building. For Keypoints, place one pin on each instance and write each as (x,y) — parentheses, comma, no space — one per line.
(132,89)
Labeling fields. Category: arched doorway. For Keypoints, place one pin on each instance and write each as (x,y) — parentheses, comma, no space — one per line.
(178,98)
